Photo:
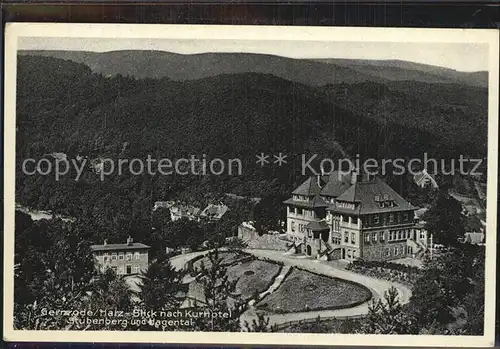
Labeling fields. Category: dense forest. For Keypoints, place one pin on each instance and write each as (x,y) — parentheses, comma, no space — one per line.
(64,107)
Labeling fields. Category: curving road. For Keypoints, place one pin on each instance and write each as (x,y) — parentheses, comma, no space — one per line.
(377,286)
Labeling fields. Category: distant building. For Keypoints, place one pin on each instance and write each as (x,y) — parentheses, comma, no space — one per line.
(184,211)
(163,204)
(178,210)
(424,180)
(341,217)
(474,238)
(124,259)
(214,212)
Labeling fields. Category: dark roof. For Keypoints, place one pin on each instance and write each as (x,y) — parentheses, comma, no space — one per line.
(367,197)
(117,247)
(309,188)
(338,182)
(318,226)
(317,201)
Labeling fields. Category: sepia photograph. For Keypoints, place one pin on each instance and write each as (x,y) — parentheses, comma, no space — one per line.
(250,185)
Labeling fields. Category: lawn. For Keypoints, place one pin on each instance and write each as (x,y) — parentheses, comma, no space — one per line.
(305,291)
(253,276)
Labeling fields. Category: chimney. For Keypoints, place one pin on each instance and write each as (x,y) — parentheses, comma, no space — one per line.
(105,242)
(354,177)
(130,241)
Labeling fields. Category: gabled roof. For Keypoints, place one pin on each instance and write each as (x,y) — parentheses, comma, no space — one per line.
(368,195)
(338,182)
(317,201)
(318,226)
(309,188)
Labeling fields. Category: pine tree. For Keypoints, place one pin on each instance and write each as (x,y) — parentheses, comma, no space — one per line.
(218,292)
(261,324)
(161,284)
(386,316)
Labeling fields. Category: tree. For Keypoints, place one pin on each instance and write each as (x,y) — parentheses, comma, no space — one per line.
(183,233)
(218,291)
(110,292)
(386,316)
(160,218)
(236,244)
(268,213)
(445,220)
(161,285)
(261,324)
(54,271)
(450,288)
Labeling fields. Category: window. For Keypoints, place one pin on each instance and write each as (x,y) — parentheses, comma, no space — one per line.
(336,240)
(405,216)
(387,252)
(128,256)
(113,256)
(400,235)
(353,238)
(422,235)
(374,237)
(395,250)
(346,237)
(292,226)
(367,237)
(391,217)
(349,255)
(121,256)
(105,257)
(299,211)
(137,255)
(129,269)
(136,269)
(376,219)
(121,270)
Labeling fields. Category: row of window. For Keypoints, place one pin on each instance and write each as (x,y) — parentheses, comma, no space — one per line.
(336,239)
(390,219)
(121,256)
(375,219)
(393,235)
(125,269)
(386,252)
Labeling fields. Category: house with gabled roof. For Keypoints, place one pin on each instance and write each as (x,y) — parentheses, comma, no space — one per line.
(341,216)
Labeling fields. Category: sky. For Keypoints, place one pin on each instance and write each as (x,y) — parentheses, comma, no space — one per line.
(462,56)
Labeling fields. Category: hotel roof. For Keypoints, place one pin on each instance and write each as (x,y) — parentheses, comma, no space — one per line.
(309,188)
(119,247)
(338,182)
(369,195)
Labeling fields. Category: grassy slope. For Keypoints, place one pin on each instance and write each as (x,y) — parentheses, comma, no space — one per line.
(305,291)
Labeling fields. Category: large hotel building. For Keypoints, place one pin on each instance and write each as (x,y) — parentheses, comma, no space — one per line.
(339,216)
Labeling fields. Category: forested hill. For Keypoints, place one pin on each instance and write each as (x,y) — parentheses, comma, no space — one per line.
(155,64)
(63,106)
